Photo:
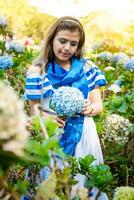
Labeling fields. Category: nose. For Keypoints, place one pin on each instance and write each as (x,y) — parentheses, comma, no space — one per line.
(67,46)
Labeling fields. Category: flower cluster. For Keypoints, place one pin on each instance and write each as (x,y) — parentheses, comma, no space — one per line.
(129,65)
(124,192)
(3,22)
(114,88)
(13,120)
(109,68)
(67,101)
(105,56)
(17,47)
(119,58)
(117,128)
(6,62)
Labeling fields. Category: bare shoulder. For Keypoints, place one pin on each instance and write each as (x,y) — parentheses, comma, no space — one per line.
(88,65)
(33,69)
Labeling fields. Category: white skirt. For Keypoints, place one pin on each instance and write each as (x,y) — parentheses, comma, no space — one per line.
(88,144)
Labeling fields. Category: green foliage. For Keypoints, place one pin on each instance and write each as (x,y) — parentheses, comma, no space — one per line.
(85,163)
(99,176)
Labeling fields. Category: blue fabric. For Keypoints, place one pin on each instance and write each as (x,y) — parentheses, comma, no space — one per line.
(95,77)
(75,77)
(36,85)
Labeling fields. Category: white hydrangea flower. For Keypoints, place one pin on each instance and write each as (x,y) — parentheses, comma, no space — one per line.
(124,193)
(117,128)
(115,88)
(109,68)
(13,120)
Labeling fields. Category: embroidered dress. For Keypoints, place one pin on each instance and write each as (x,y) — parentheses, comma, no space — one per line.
(85,76)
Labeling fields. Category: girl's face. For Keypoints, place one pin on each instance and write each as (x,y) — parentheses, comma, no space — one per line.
(65,45)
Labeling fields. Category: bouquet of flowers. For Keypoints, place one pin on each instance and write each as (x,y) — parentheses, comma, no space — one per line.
(67,101)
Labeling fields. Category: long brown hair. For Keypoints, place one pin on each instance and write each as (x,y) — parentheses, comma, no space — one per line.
(63,23)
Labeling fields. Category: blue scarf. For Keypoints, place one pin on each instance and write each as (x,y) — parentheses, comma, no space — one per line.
(75,77)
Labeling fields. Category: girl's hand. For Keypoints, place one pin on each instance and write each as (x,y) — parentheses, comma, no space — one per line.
(61,122)
(87,109)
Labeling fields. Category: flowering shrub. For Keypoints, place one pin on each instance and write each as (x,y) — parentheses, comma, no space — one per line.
(105,56)
(13,133)
(117,128)
(116,86)
(17,47)
(119,58)
(6,62)
(67,101)
(129,65)
(124,193)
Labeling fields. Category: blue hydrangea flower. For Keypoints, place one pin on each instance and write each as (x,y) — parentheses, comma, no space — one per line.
(105,56)
(67,101)
(17,47)
(6,62)
(129,65)
(119,58)
(3,22)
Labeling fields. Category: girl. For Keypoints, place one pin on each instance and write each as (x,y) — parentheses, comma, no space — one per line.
(61,63)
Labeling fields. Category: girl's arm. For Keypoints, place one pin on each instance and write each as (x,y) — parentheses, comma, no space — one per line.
(93,106)
(32,104)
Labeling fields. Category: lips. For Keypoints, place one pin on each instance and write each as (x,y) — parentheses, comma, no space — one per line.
(66,54)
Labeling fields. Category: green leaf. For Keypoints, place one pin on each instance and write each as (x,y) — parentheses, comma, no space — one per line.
(22,186)
(51,126)
(123,108)
(117,101)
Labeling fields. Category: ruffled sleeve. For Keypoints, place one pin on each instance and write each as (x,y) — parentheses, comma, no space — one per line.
(37,86)
(95,77)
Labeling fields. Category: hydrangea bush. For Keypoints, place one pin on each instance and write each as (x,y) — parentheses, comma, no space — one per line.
(117,128)
(119,58)
(67,101)
(6,62)
(13,121)
(129,65)
(17,47)
(105,56)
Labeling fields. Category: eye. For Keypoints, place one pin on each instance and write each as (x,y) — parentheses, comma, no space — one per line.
(62,41)
(74,44)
